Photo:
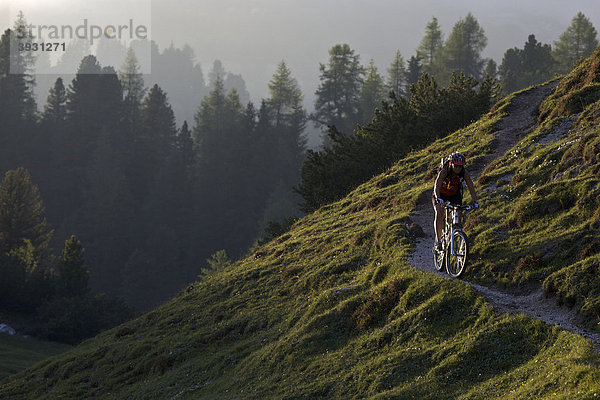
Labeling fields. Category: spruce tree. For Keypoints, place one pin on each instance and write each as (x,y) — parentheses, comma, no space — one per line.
(285,95)
(413,71)
(55,110)
(431,44)
(72,272)
(186,147)
(216,73)
(372,93)
(396,81)
(22,216)
(577,42)
(133,89)
(462,50)
(17,105)
(338,95)
(158,122)
(531,65)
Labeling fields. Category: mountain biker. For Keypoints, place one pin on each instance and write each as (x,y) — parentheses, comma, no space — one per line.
(448,188)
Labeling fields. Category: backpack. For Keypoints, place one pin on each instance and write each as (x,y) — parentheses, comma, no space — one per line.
(445,163)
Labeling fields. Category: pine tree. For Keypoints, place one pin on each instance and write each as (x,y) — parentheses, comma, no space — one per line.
(186,147)
(462,50)
(217,73)
(285,94)
(577,42)
(431,44)
(23,64)
(17,105)
(413,71)
(55,110)
(133,89)
(338,95)
(94,98)
(491,68)
(531,65)
(372,93)
(158,122)
(22,216)
(396,81)
(73,274)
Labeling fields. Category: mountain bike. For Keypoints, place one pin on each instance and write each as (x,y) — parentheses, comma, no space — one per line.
(455,243)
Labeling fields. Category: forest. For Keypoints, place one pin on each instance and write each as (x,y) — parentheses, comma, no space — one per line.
(109,207)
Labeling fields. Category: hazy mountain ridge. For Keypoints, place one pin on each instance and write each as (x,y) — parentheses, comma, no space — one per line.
(332,309)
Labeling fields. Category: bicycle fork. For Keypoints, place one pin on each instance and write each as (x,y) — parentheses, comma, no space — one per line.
(450,230)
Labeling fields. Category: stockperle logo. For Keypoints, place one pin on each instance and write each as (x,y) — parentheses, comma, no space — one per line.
(54,38)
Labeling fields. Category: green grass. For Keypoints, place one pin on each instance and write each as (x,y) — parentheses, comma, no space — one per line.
(18,353)
(332,309)
(543,222)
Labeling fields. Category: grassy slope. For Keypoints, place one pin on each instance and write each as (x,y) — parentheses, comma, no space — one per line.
(332,309)
(18,353)
(546,209)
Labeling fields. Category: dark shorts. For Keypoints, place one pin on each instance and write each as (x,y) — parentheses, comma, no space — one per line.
(456,199)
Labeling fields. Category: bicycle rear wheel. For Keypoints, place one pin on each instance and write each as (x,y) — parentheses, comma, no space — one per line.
(455,263)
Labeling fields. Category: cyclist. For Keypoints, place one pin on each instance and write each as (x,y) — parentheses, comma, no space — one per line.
(448,188)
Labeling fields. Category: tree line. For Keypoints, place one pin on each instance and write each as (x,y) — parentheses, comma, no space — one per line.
(148,200)
(410,107)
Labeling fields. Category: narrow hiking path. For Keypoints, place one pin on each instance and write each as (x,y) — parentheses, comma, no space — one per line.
(521,119)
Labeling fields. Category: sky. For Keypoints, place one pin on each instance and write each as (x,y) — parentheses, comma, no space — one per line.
(251,37)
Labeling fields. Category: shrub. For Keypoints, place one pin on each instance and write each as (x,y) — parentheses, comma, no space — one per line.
(378,306)
(72,319)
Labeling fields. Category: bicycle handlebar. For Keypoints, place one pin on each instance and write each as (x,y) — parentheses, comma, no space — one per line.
(468,207)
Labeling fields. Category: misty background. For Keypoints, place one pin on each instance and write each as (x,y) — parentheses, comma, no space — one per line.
(250,38)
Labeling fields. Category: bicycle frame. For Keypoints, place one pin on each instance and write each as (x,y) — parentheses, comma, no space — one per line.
(453,225)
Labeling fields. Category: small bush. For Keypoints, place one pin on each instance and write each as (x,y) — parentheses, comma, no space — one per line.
(72,319)
(378,305)
(529,263)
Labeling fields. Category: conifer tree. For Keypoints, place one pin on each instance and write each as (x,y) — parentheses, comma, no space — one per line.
(158,121)
(413,71)
(577,42)
(55,110)
(285,94)
(491,68)
(338,95)
(133,89)
(185,145)
(372,93)
(73,274)
(396,81)
(431,44)
(22,216)
(94,98)
(23,64)
(217,73)
(462,50)
(17,105)
(528,66)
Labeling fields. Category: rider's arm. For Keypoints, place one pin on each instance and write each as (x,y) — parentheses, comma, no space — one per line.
(471,187)
(438,183)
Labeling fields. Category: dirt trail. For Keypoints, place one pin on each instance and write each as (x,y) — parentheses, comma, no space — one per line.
(517,124)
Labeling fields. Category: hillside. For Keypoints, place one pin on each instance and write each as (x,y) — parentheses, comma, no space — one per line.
(333,308)
(18,353)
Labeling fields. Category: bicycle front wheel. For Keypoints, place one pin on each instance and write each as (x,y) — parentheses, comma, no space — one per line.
(455,263)
(439,258)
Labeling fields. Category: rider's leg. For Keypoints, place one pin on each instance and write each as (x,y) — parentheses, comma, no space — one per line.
(438,223)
